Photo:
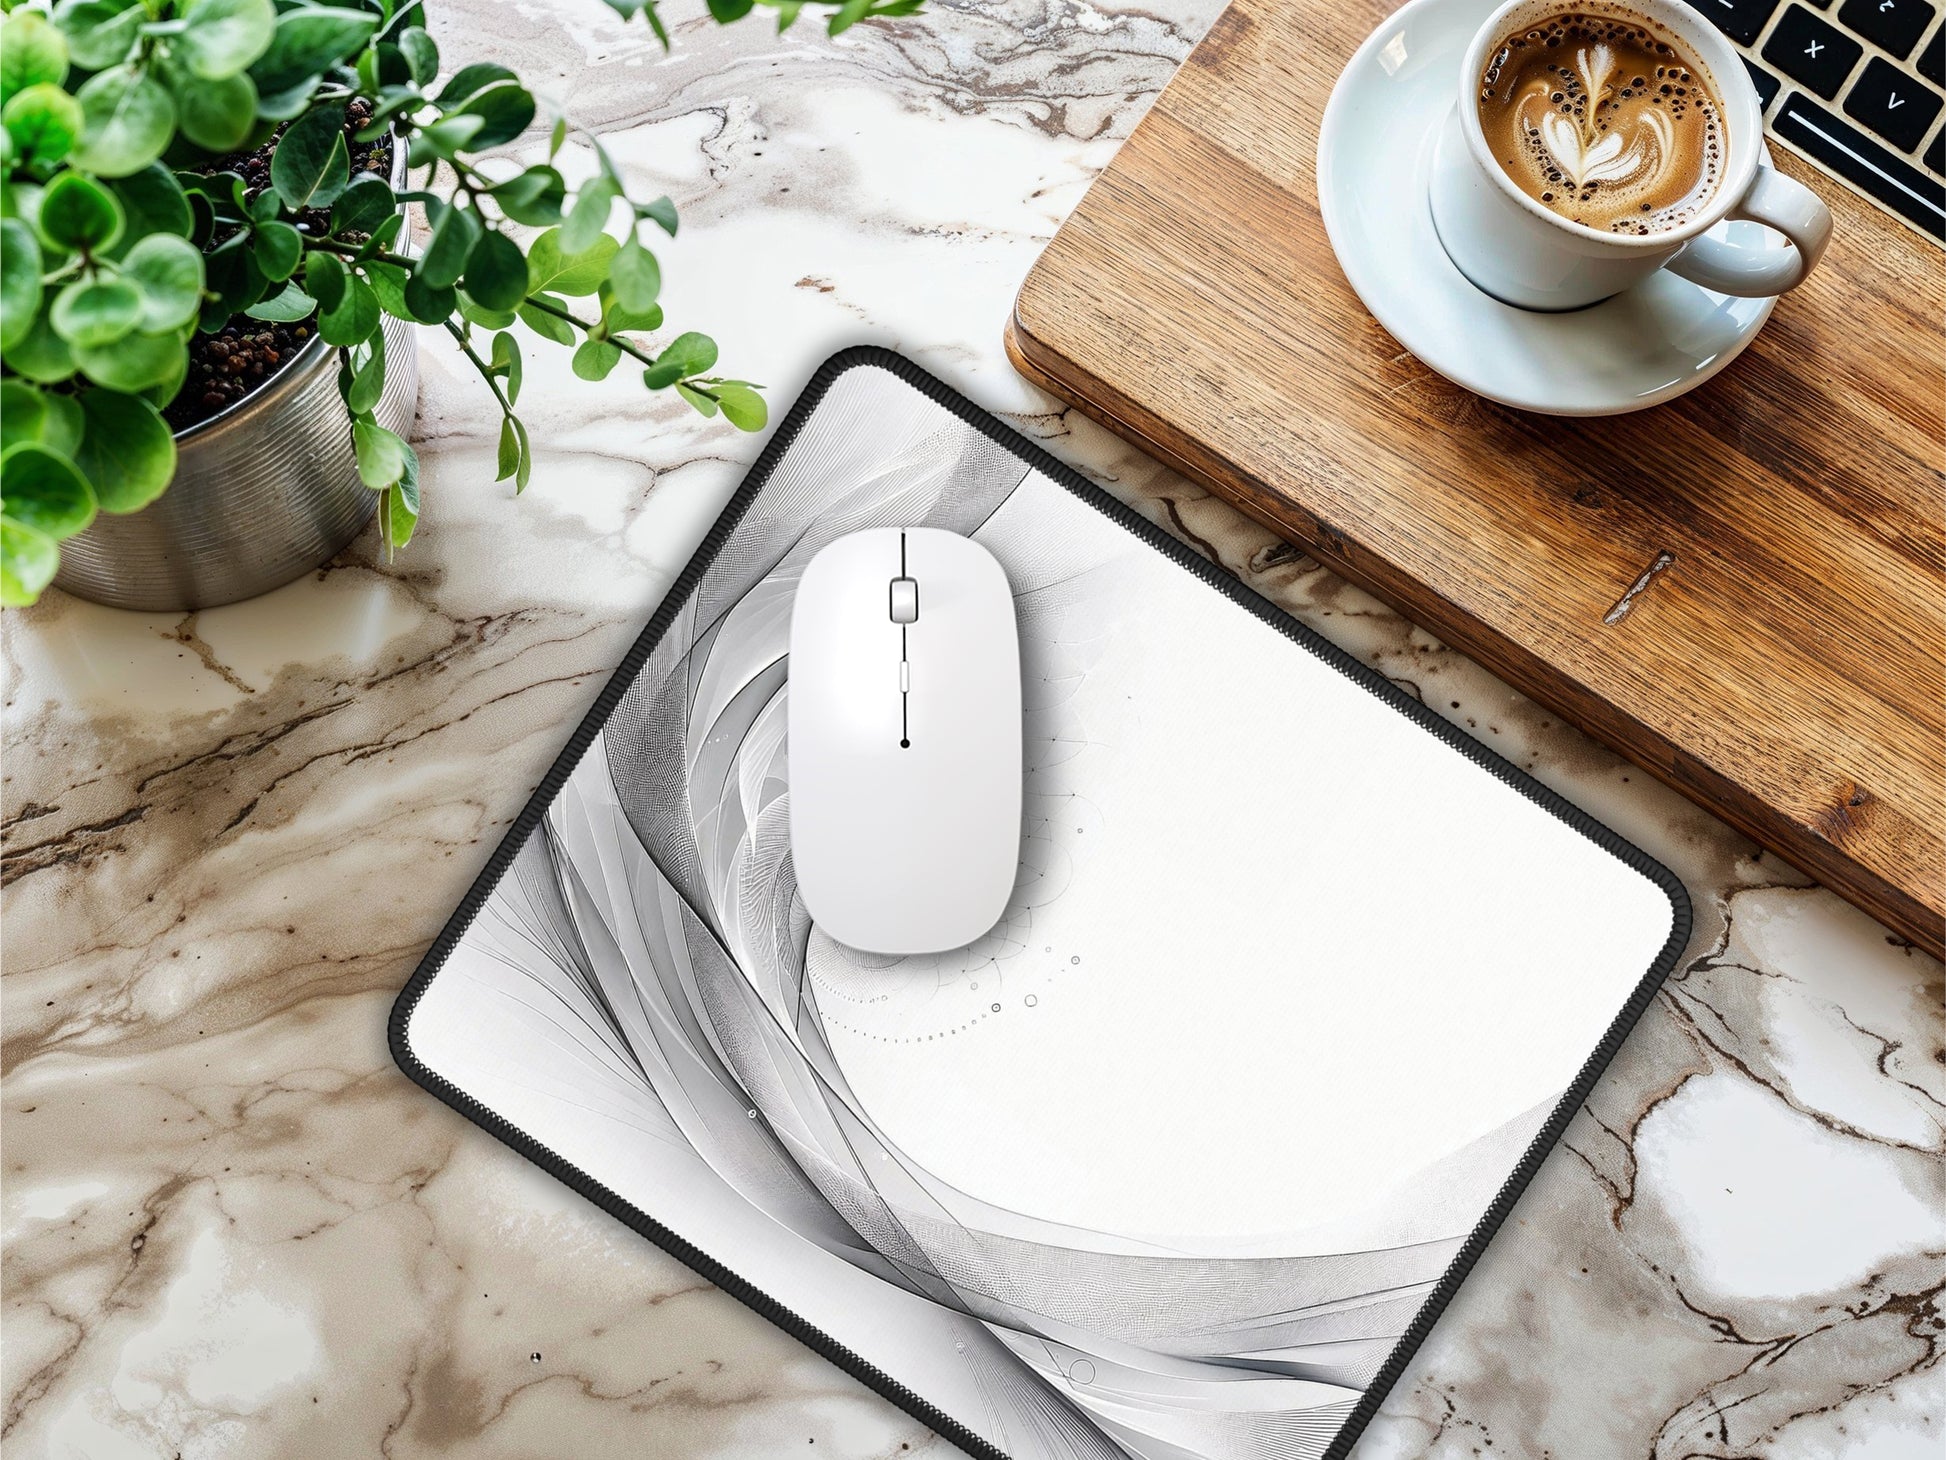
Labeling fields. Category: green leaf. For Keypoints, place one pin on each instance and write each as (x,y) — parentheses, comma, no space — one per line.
(470,80)
(20,199)
(279,247)
(100,33)
(381,453)
(398,509)
(78,213)
(847,15)
(552,268)
(164,390)
(703,403)
(96,311)
(421,54)
(526,468)
(454,232)
(220,194)
(42,489)
(588,216)
(443,139)
(311,167)
(367,382)
(509,456)
(309,40)
(43,123)
(217,115)
(126,450)
(505,111)
(234,280)
(662,212)
(324,279)
(134,362)
(28,562)
(222,37)
(355,317)
(387,67)
(32,53)
(506,362)
(474,312)
(532,197)
(429,303)
(742,406)
(382,236)
(547,326)
(388,283)
(496,272)
(127,119)
(636,276)
(40,354)
(360,208)
(20,281)
(595,358)
(285,307)
(283,106)
(153,202)
(647,8)
(28,413)
(616,320)
(168,271)
(725,11)
(556,137)
(396,520)
(688,354)
(787,13)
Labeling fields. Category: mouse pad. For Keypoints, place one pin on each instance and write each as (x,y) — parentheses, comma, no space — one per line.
(1296,986)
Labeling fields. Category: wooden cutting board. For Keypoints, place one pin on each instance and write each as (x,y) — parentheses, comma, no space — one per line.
(1741,590)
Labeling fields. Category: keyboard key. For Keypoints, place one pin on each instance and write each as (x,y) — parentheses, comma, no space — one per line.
(1767,85)
(1893,24)
(1809,50)
(1932,58)
(1852,155)
(1741,20)
(1936,154)
(1892,104)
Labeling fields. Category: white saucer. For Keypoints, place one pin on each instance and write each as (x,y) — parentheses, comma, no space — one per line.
(1646,345)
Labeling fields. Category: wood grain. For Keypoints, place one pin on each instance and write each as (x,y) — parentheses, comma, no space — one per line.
(1743,590)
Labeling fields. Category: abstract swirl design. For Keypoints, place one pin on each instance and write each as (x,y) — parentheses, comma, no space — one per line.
(654,916)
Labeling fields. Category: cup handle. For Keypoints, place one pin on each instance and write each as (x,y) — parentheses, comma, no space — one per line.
(1784,204)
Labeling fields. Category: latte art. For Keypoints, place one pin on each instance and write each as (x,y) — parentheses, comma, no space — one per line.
(1604,122)
(1584,154)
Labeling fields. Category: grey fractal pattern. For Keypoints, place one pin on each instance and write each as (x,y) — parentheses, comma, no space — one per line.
(654,911)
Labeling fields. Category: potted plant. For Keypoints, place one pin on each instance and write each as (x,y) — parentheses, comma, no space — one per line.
(207,288)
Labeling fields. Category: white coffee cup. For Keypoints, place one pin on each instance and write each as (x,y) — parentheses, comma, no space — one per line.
(1521,252)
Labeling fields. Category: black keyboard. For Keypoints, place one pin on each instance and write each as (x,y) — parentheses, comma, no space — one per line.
(1857,86)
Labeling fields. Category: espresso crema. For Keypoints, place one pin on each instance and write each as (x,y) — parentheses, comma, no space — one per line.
(1603,120)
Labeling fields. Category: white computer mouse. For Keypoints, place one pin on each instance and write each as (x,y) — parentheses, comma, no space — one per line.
(905,740)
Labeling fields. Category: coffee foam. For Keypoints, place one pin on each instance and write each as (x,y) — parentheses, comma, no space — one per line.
(1603,121)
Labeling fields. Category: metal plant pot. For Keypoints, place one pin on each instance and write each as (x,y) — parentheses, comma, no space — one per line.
(263,493)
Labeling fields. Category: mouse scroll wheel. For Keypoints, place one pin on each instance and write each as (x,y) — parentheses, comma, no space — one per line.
(905,600)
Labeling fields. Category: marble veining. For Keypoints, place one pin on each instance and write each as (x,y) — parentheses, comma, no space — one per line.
(233,1229)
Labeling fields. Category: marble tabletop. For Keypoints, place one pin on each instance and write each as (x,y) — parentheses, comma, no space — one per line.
(234,1229)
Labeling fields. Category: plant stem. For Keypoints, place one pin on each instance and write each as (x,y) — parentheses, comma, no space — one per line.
(486,370)
(616,340)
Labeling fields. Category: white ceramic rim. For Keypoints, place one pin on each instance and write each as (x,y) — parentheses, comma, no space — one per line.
(1700,40)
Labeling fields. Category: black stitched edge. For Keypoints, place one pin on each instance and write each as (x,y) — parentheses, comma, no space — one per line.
(761,1302)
